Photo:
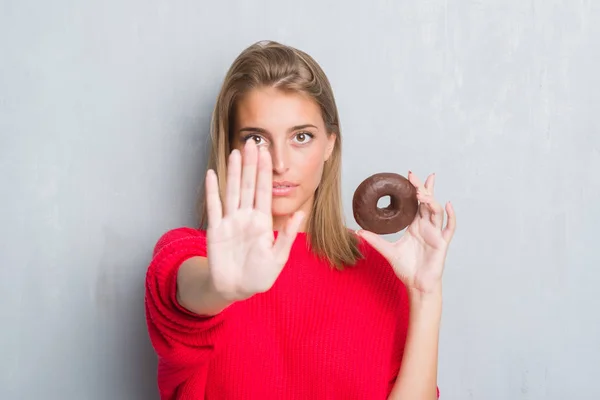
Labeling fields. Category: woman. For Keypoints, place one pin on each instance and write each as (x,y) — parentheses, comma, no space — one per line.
(276,298)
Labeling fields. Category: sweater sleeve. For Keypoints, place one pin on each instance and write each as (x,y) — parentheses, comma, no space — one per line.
(182,340)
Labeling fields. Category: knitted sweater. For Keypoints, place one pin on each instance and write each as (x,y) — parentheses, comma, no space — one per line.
(318,333)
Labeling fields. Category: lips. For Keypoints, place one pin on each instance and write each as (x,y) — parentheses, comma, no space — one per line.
(283,185)
(283,189)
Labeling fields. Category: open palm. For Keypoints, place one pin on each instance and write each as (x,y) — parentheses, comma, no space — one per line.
(243,255)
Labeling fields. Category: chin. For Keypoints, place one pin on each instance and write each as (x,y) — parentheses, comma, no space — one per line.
(284,207)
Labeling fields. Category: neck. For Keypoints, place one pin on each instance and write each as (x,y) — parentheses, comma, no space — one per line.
(280,222)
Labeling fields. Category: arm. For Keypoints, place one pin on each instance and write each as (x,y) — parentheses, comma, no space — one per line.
(418,259)
(183,340)
(417,378)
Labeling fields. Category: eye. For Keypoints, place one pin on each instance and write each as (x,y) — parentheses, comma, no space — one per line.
(304,137)
(257,139)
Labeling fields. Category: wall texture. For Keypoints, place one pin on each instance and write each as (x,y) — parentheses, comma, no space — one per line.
(104,110)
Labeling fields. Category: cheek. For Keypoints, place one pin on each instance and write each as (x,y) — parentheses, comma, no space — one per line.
(310,166)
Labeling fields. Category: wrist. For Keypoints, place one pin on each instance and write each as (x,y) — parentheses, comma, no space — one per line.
(220,295)
(209,300)
(426,306)
(431,294)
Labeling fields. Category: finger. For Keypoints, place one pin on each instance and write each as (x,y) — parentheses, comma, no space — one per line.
(429,183)
(249,165)
(232,201)
(450,228)
(414,179)
(436,215)
(286,237)
(264,185)
(214,208)
(422,197)
(424,211)
(432,210)
(379,243)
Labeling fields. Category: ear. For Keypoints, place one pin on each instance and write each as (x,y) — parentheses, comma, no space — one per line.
(330,145)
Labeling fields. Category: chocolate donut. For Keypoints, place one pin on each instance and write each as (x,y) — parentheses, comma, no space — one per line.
(393,218)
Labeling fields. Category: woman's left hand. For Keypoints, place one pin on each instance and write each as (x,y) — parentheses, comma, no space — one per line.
(418,257)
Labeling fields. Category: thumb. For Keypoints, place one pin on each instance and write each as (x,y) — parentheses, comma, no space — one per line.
(285,238)
(380,244)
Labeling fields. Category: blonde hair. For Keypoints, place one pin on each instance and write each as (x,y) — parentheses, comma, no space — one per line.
(271,64)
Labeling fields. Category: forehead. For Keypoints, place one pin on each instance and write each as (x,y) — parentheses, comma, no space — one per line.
(271,108)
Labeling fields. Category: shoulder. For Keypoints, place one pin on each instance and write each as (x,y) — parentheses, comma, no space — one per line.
(179,235)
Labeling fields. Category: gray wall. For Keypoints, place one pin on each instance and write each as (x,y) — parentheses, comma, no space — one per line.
(104,108)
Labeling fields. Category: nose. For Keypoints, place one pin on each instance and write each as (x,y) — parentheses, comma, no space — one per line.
(280,157)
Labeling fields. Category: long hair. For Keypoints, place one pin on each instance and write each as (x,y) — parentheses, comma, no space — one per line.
(272,64)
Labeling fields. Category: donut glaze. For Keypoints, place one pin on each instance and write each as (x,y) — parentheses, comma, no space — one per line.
(393,218)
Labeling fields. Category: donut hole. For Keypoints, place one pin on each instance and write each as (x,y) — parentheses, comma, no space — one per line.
(384,202)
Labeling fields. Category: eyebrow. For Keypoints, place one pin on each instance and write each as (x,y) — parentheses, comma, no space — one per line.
(264,131)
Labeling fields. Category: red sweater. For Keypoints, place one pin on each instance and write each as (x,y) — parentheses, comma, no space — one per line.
(318,333)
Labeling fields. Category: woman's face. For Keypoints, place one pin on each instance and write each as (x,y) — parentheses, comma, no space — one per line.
(291,127)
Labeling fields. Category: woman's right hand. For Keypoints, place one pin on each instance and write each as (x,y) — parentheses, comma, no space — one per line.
(243,257)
